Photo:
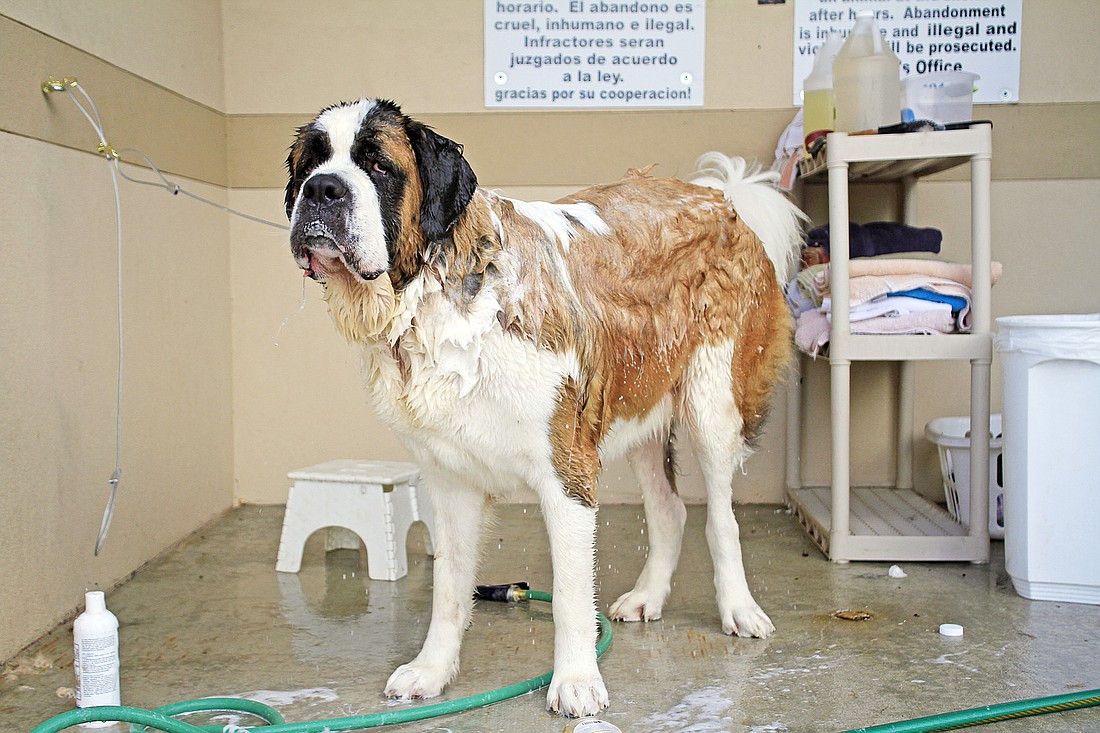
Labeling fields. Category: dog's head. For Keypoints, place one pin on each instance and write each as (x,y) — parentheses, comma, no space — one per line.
(369,188)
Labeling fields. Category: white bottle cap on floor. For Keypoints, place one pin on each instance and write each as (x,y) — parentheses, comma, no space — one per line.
(951,630)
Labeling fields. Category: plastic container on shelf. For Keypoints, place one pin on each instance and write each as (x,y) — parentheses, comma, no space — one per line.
(817,89)
(1051,411)
(942,96)
(951,436)
(866,79)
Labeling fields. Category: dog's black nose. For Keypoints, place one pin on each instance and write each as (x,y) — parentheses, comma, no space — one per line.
(324,190)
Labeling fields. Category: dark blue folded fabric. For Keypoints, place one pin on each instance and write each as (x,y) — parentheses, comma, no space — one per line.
(881,238)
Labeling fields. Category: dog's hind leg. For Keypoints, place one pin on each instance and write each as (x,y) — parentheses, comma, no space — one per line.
(716,429)
(665,516)
(577,688)
(459,513)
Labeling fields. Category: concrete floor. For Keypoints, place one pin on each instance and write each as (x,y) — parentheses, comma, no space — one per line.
(214,618)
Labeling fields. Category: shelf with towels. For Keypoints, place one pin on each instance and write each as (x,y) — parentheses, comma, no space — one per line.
(895,523)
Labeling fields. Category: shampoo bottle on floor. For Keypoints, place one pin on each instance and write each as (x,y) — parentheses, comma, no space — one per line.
(95,655)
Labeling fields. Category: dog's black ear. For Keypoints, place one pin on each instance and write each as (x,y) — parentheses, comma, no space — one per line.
(447,179)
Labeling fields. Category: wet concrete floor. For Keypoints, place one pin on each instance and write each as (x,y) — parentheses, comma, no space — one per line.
(213,618)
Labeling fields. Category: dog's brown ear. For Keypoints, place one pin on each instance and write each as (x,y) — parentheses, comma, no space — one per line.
(293,180)
(447,179)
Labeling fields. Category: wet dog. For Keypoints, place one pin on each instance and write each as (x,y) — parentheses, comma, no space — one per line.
(515,343)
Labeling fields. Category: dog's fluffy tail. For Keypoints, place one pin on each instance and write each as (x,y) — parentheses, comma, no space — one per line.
(773,218)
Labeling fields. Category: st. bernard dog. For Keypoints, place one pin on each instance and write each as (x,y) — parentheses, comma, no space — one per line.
(525,343)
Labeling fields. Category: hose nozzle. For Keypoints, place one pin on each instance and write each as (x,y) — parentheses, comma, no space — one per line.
(508,593)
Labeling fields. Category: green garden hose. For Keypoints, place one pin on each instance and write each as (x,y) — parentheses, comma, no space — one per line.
(989,714)
(161,718)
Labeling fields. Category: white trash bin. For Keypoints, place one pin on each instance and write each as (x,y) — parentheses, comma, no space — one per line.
(1051,420)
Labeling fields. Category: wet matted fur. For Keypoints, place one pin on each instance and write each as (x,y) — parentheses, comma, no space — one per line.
(515,343)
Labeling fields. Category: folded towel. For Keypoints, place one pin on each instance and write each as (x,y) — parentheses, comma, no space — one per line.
(812,328)
(806,280)
(957,304)
(867,288)
(886,306)
(879,238)
(798,301)
(887,267)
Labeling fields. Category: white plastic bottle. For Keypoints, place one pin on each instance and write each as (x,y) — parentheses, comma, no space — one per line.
(866,79)
(591,725)
(95,655)
(817,88)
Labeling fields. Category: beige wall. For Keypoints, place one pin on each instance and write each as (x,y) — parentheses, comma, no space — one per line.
(58,331)
(544,155)
(231,382)
(381,49)
(57,388)
(176,45)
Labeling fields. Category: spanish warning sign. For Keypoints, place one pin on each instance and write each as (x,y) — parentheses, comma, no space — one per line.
(592,53)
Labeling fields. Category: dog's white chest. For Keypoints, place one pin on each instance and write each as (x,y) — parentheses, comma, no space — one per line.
(467,395)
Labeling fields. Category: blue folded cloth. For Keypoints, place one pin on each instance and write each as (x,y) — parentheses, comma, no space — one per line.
(881,238)
(956,303)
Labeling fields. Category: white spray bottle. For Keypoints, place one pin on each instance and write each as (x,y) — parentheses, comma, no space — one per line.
(95,655)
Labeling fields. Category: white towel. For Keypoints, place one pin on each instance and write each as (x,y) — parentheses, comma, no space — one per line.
(893,306)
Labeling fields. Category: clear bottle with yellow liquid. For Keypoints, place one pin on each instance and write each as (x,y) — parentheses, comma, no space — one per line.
(817,88)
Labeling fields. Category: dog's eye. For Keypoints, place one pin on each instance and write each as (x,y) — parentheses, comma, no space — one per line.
(379,169)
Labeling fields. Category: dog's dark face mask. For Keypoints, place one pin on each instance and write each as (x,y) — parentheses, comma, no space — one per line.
(355,172)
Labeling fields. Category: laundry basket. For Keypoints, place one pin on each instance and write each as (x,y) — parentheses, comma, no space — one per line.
(951,435)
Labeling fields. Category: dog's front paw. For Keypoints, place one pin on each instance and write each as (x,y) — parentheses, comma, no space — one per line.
(576,696)
(748,620)
(418,680)
(637,605)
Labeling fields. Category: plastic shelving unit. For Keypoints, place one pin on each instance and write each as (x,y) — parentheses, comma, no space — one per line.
(895,523)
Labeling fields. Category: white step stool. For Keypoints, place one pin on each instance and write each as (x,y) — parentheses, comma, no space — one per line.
(376,501)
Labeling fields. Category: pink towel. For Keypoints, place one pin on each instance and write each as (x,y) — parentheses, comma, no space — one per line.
(812,330)
(888,267)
